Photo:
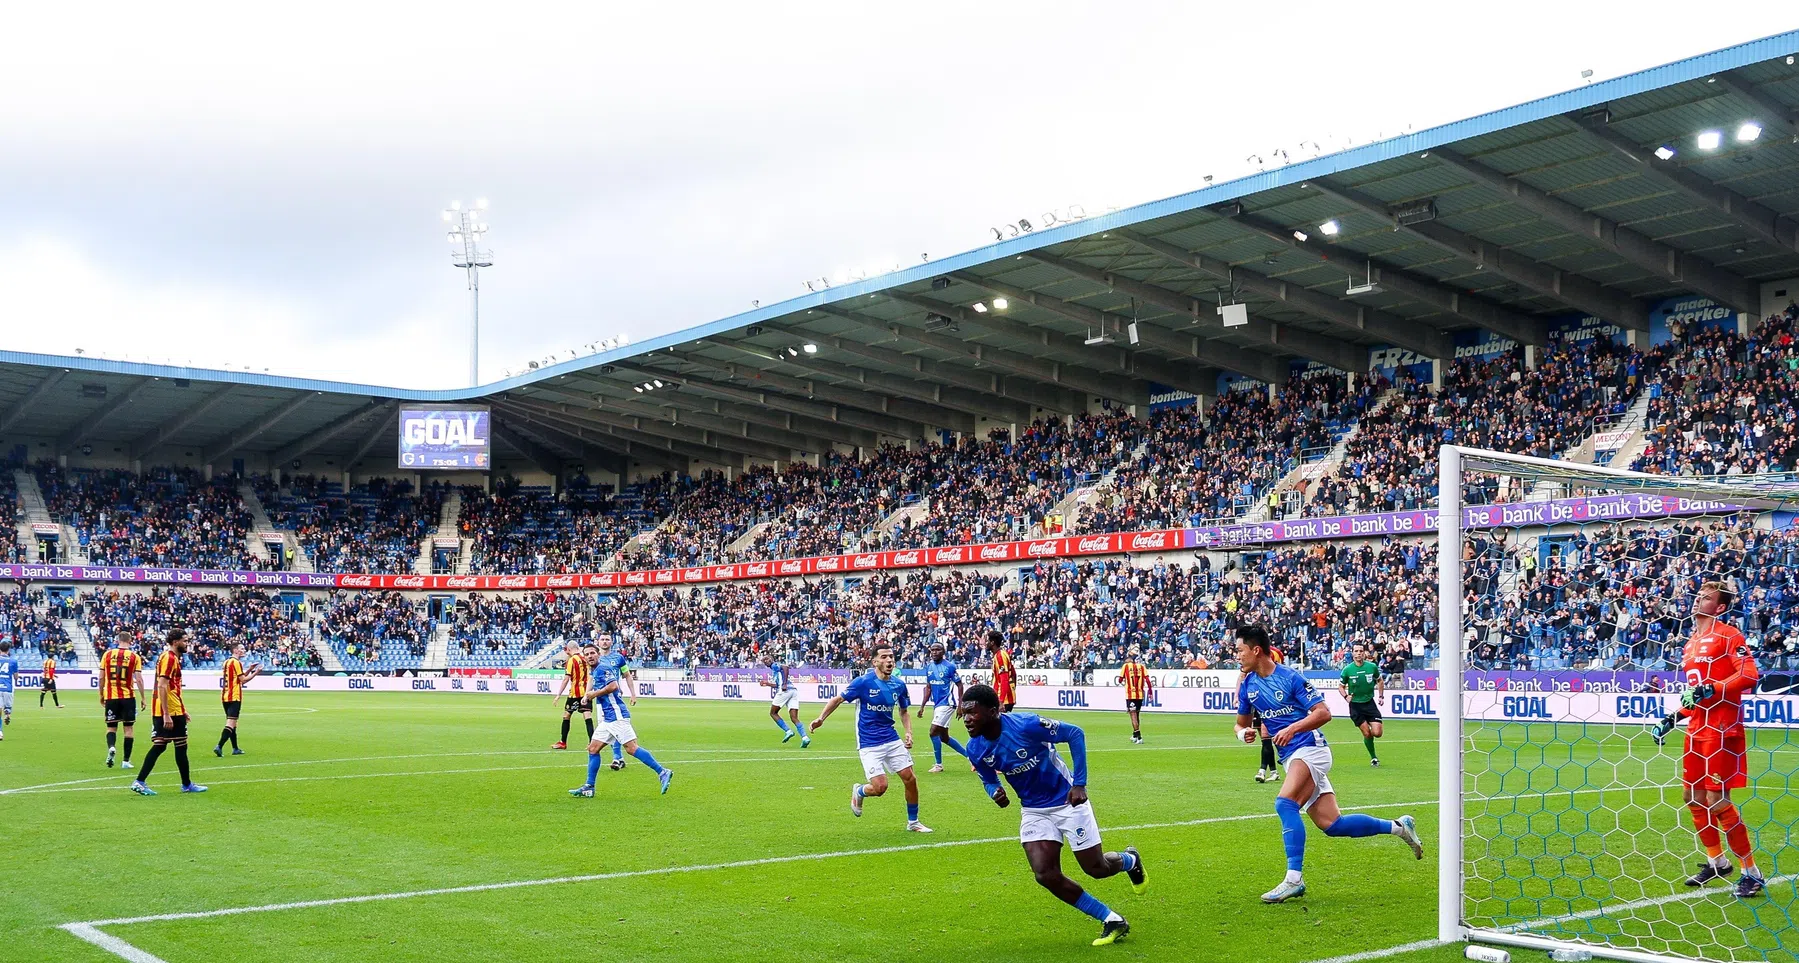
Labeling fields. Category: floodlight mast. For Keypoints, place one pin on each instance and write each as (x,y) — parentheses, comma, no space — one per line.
(466,230)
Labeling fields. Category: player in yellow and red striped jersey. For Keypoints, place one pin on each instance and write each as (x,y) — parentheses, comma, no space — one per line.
(576,680)
(47,686)
(231,693)
(168,716)
(1137,687)
(121,694)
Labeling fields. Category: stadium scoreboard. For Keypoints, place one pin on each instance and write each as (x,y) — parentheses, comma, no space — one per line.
(446,438)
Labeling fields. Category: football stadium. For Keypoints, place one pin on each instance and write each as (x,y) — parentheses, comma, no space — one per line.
(1468,459)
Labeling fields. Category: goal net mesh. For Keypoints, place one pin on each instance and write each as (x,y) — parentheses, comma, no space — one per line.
(1575,601)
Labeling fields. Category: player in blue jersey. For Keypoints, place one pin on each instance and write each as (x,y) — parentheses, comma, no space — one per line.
(1294,715)
(943,689)
(614,723)
(783,694)
(9,670)
(883,751)
(1052,800)
(619,664)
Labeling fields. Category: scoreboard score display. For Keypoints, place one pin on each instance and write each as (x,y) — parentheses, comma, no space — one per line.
(446,438)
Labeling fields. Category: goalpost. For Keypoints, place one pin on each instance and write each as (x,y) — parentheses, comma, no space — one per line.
(1562,614)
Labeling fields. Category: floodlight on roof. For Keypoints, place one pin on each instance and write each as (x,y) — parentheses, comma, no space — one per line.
(793,352)
(1709,139)
(637,388)
(1301,236)
(1330,228)
(658,382)
(809,348)
(1665,152)
(980,307)
(1748,132)
(1000,304)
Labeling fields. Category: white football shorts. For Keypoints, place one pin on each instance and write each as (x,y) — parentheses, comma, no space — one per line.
(619,732)
(943,716)
(1074,825)
(786,699)
(891,757)
(1318,760)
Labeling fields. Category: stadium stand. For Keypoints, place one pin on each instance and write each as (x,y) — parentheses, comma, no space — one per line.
(492,631)
(214,620)
(164,517)
(376,526)
(32,620)
(529,529)
(11,515)
(374,631)
(1724,404)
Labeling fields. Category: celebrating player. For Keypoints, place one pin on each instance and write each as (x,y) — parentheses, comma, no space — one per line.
(784,695)
(122,693)
(1363,686)
(1052,801)
(9,670)
(616,721)
(614,660)
(877,694)
(1137,687)
(47,684)
(1718,670)
(940,679)
(231,693)
(168,717)
(1294,713)
(1005,677)
(575,676)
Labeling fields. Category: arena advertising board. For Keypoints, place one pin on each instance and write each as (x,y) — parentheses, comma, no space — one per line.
(1568,511)
(446,439)
(1603,708)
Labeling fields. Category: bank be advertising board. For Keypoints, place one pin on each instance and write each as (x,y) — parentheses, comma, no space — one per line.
(446,439)
(1571,708)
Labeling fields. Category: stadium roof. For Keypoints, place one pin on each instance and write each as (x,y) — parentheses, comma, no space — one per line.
(1503,221)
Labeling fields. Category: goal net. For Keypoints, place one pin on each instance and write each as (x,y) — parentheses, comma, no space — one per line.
(1564,609)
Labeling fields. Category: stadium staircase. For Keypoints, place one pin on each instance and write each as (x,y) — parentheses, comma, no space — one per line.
(1326,467)
(259,522)
(542,657)
(328,660)
(1633,421)
(85,656)
(31,506)
(748,538)
(449,525)
(913,513)
(437,648)
(1071,504)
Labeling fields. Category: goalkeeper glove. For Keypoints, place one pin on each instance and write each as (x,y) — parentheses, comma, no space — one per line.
(1691,698)
(1662,728)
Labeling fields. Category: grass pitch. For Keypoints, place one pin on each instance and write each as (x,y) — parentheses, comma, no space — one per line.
(359,795)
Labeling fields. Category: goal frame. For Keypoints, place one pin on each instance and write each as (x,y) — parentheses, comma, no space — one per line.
(1453,461)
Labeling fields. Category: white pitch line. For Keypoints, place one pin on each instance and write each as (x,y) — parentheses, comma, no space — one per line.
(1638,904)
(658,871)
(110,943)
(1389,951)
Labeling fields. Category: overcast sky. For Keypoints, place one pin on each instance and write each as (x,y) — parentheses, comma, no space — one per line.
(234,186)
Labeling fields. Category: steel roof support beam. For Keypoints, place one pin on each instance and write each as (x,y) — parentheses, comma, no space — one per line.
(756,414)
(1109,362)
(992,385)
(1283,337)
(654,427)
(1644,252)
(958,399)
(337,426)
(1126,390)
(663,413)
(591,457)
(1413,287)
(160,436)
(1580,293)
(1758,219)
(880,425)
(87,426)
(1773,114)
(593,428)
(210,454)
(386,429)
(32,397)
(596,440)
(546,460)
(1181,344)
(1360,318)
(924,414)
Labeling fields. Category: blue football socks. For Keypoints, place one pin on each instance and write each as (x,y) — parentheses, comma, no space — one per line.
(1357,825)
(1092,907)
(618,752)
(937,748)
(953,744)
(1293,832)
(643,755)
(781,724)
(593,766)
(912,812)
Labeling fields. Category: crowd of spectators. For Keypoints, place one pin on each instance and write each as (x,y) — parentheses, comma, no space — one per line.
(167,517)
(528,530)
(377,526)
(498,630)
(32,622)
(1726,405)
(374,630)
(10,517)
(1493,402)
(269,628)
(1219,466)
